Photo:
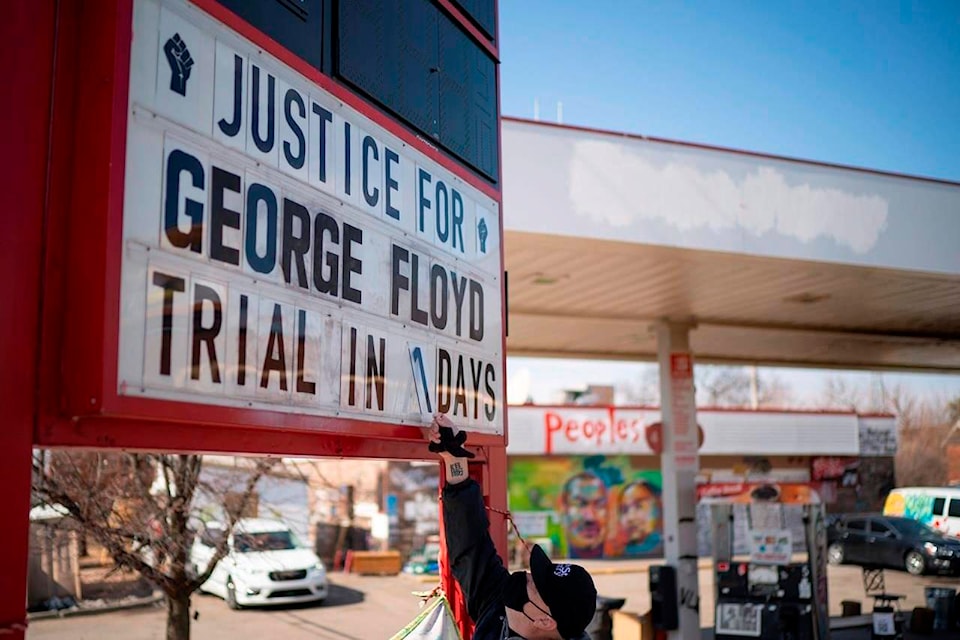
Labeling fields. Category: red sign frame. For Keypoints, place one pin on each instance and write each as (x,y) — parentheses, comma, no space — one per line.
(61,324)
(79,402)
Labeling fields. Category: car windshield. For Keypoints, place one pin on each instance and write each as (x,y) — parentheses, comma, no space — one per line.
(264,541)
(913,528)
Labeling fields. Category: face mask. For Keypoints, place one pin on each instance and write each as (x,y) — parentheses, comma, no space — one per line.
(515,593)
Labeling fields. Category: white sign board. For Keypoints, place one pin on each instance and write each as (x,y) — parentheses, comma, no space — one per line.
(771,546)
(739,619)
(281,251)
(532,523)
(681,437)
(578,430)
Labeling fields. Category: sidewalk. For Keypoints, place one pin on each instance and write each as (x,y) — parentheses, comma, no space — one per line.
(843,586)
(93,607)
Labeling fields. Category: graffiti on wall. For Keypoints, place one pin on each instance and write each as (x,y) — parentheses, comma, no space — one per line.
(841,469)
(914,505)
(588,506)
(878,440)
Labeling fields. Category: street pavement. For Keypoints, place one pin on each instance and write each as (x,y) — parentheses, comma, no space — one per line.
(376,607)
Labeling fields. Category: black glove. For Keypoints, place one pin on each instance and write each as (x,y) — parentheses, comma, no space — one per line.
(451,443)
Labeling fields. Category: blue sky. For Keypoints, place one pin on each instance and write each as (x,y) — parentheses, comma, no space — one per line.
(869,84)
(874,84)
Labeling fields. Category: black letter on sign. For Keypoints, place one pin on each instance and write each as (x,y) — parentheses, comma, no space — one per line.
(490,404)
(417,314)
(275,342)
(264,144)
(370,145)
(328,284)
(456,221)
(352,380)
(461,391)
(351,236)
(375,372)
(391,158)
(325,117)
(292,97)
(444,378)
(442,202)
(179,162)
(475,378)
(438,293)
(292,245)
(397,280)
(221,217)
(169,284)
(476,311)
(303,385)
(257,193)
(205,334)
(233,128)
(459,290)
(423,178)
(242,343)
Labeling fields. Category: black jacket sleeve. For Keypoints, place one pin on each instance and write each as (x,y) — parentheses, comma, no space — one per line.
(471,553)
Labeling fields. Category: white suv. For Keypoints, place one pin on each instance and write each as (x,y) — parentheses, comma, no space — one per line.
(265,564)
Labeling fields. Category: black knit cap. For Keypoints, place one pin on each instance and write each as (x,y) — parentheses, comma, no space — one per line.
(567,589)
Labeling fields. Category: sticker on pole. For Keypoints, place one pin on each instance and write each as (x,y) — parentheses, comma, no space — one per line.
(771,546)
(282,251)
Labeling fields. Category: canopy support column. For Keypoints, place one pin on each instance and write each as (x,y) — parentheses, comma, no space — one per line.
(679,464)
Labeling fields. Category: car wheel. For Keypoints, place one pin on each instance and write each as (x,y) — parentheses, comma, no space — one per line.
(835,553)
(232,595)
(914,563)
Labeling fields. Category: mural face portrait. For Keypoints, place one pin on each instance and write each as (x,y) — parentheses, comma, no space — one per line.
(584,503)
(639,512)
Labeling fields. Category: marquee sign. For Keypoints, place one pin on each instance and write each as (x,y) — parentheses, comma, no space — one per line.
(282,251)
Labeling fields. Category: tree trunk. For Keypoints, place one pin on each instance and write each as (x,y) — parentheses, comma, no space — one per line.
(178,617)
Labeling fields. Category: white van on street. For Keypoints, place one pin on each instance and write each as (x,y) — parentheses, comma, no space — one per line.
(937,507)
(265,564)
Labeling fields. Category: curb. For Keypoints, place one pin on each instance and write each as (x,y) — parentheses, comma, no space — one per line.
(136,603)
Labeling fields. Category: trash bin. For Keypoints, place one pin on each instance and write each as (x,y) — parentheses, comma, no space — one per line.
(921,621)
(942,601)
(885,623)
(601,626)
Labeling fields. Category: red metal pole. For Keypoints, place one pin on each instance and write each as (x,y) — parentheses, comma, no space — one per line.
(27,34)
(495,491)
(492,476)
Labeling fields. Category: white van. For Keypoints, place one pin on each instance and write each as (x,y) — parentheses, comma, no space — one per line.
(938,507)
(265,564)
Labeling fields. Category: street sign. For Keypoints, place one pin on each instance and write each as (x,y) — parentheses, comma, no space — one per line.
(283,251)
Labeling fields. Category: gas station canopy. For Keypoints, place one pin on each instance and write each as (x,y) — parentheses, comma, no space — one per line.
(773,260)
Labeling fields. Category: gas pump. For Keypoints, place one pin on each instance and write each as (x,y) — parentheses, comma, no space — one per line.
(769,584)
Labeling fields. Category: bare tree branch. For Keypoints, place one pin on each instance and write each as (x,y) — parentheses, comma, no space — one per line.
(138,507)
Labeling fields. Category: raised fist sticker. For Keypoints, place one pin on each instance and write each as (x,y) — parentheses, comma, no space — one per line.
(178,57)
(483,231)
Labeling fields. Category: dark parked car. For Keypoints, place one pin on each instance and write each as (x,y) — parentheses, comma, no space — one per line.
(888,541)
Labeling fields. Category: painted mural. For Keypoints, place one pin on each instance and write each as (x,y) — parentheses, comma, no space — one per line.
(910,504)
(588,506)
